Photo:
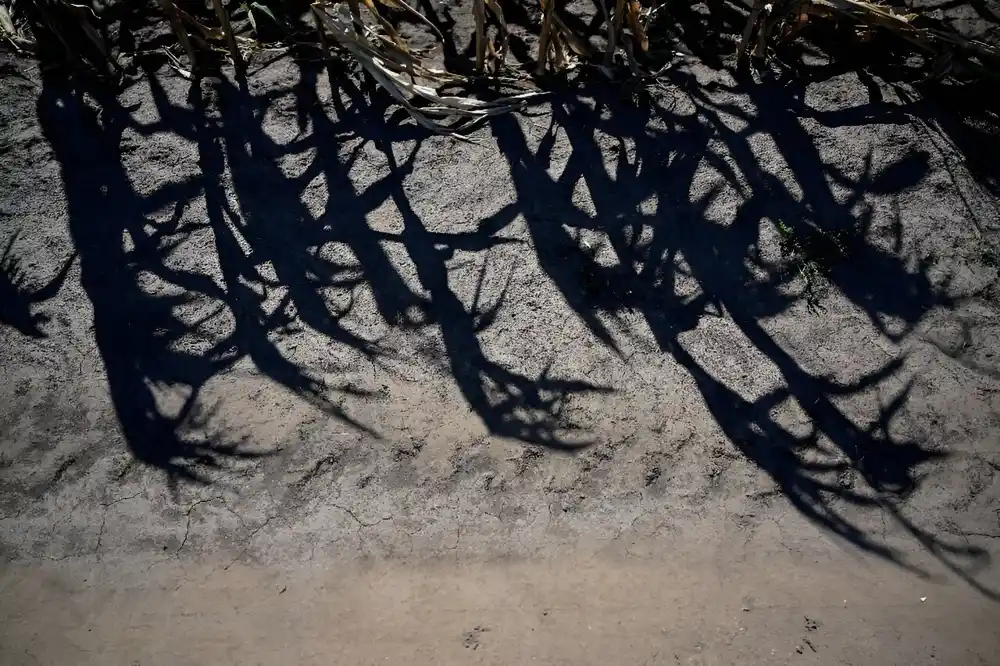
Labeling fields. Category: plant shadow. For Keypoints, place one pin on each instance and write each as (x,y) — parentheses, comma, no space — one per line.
(18,300)
(697,253)
(286,271)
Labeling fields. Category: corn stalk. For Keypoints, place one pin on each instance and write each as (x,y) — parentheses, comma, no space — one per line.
(227,29)
(484,44)
(614,26)
(479,9)
(766,18)
(498,56)
(556,40)
(179,31)
(548,9)
(626,30)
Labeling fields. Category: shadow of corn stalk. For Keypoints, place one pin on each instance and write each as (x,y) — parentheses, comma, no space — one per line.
(18,301)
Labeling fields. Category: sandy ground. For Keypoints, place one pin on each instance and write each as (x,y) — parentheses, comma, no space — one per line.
(775,607)
(707,379)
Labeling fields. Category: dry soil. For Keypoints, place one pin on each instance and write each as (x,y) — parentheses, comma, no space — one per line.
(707,377)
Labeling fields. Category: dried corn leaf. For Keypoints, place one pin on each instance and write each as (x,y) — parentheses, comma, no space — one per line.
(635,25)
(789,17)
(576,43)
(207,33)
(6,23)
(180,31)
(10,32)
(556,38)
(176,65)
(926,38)
(503,33)
(397,72)
(385,25)
(559,59)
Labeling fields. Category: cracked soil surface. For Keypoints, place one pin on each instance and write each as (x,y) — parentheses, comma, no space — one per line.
(707,380)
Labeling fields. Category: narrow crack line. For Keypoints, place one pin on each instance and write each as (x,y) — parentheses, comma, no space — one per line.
(234,514)
(100,532)
(123,499)
(187,527)
(358,520)
(249,538)
(104,517)
(264,524)
(409,535)
(986,535)
(251,533)
(458,541)
(65,516)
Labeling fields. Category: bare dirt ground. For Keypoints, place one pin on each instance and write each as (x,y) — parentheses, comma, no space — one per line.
(706,378)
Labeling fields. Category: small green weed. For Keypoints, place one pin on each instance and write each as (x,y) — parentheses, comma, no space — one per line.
(812,253)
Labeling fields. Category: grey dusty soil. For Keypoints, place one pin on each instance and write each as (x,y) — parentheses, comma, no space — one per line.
(705,378)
